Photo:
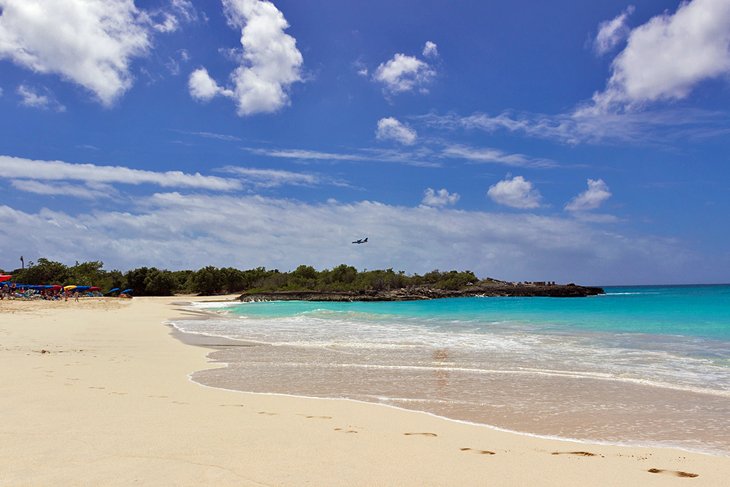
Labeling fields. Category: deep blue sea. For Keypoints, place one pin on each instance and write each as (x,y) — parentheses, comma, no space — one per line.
(638,365)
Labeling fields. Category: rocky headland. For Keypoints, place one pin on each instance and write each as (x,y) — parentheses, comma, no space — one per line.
(415,293)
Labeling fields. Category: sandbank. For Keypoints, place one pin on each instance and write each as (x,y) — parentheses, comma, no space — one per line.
(97,393)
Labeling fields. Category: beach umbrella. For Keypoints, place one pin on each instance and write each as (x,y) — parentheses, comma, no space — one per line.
(4,277)
(94,288)
(127,291)
(69,288)
(113,290)
(82,288)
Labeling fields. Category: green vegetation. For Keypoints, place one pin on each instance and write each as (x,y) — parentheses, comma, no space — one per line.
(150,281)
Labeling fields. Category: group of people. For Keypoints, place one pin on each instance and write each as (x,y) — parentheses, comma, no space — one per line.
(10,291)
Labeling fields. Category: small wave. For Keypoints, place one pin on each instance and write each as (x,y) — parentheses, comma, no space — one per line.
(214,304)
(628,293)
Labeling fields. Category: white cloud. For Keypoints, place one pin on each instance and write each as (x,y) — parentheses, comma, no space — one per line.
(383,155)
(516,193)
(169,19)
(430,49)
(490,155)
(611,32)
(592,126)
(20,168)
(270,60)
(391,129)
(213,135)
(271,178)
(89,42)
(668,56)
(30,97)
(203,87)
(89,192)
(439,198)
(404,73)
(173,64)
(590,199)
(253,231)
(305,154)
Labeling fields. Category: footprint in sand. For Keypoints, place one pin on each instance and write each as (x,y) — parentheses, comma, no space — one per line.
(316,417)
(180,402)
(480,452)
(676,473)
(576,453)
(421,434)
(119,393)
(95,387)
(342,430)
(267,413)
(232,405)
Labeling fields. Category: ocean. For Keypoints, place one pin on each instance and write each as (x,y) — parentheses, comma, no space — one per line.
(645,365)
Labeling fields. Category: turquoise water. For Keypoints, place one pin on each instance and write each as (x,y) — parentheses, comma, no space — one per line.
(640,365)
(694,311)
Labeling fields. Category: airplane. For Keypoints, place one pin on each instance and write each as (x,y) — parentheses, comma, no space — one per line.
(361,241)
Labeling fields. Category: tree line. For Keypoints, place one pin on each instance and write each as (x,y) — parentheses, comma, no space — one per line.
(151,281)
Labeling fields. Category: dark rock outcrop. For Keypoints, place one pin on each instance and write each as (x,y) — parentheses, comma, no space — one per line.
(490,289)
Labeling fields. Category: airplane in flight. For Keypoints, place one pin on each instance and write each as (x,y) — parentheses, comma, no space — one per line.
(361,241)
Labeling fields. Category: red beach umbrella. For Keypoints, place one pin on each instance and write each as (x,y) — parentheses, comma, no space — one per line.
(4,277)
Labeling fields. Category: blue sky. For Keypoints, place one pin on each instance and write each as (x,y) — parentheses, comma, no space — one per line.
(569,141)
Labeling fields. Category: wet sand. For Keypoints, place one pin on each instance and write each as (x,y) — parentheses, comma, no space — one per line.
(97,393)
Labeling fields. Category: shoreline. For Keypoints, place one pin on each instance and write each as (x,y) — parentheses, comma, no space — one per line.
(202,340)
(111,404)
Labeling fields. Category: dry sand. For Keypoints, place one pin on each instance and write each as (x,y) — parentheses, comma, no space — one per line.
(97,393)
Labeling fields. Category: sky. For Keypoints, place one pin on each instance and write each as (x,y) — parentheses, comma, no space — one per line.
(571,141)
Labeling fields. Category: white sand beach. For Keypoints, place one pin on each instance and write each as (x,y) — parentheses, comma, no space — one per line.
(97,393)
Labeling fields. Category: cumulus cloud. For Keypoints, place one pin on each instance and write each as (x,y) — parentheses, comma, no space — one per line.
(611,32)
(28,169)
(668,56)
(202,87)
(439,198)
(269,60)
(590,199)
(430,49)
(89,42)
(278,233)
(516,192)
(664,59)
(404,73)
(31,97)
(391,129)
